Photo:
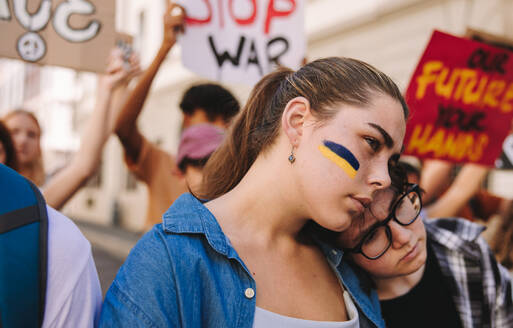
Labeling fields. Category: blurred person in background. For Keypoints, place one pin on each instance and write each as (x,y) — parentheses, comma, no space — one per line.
(203,103)
(26,134)
(432,273)
(197,143)
(7,150)
(112,90)
(454,196)
(461,195)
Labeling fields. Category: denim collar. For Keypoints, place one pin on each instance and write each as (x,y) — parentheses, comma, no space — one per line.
(334,255)
(188,215)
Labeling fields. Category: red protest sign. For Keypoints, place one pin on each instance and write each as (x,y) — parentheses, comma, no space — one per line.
(461,99)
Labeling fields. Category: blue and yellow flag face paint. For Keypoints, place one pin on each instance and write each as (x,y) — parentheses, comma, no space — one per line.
(341,156)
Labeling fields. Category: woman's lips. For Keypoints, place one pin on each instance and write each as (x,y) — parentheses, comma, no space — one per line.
(359,206)
(412,253)
(361,203)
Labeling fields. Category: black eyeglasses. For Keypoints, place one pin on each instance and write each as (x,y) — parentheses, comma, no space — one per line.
(378,239)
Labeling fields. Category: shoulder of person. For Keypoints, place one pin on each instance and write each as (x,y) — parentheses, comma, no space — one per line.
(159,272)
(64,234)
(462,228)
(159,255)
(188,238)
(73,290)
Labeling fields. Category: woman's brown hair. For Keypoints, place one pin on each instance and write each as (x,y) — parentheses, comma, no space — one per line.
(10,151)
(324,82)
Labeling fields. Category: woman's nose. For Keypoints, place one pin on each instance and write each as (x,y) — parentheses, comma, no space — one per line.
(401,235)
(379,176)
(19,139)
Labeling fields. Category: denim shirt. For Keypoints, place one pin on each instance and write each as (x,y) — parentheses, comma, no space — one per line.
(185,273)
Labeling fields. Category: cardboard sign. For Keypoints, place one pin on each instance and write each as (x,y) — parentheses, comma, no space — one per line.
(242,40)
(77,34)
(461,99)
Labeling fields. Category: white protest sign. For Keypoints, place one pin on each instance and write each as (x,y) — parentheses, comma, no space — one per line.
(72,33)
(242,40)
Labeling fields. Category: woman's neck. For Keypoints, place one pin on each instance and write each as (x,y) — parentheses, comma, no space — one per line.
(389,288)
(263,207)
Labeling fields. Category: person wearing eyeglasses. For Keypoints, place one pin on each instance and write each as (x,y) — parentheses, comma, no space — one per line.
(427,273)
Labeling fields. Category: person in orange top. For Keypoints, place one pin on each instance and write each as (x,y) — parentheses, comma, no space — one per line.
(204,103)
(167,176)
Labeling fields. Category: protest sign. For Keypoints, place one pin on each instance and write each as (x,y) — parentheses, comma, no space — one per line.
(488,38)
(242,40)
(505,161)
(77,34)
(461,99)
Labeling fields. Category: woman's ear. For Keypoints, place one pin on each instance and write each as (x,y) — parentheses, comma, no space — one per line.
(294,116)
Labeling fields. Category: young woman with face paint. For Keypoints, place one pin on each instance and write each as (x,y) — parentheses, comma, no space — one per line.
(312,144)
(436,273)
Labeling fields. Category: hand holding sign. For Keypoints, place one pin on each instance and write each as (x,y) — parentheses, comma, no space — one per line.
(120,69)
(174,19)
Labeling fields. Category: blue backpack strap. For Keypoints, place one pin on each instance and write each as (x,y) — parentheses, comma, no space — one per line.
(23,251)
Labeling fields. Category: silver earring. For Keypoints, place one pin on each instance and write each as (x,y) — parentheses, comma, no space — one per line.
(292,158)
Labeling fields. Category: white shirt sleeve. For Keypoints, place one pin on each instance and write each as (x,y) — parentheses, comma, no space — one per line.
(73,292)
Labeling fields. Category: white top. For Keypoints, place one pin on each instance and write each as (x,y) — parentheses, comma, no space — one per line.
(268,319)
(73,292)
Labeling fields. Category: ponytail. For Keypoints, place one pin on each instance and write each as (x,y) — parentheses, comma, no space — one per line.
(252,130)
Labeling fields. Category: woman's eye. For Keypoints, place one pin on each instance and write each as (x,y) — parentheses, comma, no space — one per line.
(373,143)
(371,237)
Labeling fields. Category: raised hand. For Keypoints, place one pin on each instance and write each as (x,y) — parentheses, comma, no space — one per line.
(120,70)
(174,23)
